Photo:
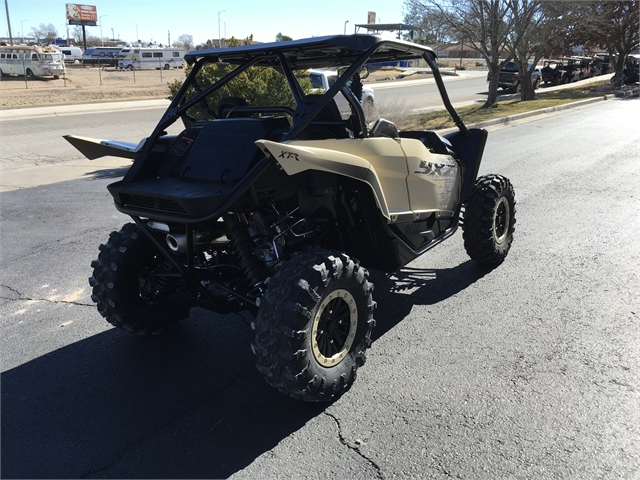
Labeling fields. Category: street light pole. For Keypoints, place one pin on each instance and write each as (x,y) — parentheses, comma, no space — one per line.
(113,35)
(345,27)
(219,39)
(22,29)
(101,37)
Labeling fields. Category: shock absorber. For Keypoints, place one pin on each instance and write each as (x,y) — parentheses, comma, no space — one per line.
(242,247)
(157,286)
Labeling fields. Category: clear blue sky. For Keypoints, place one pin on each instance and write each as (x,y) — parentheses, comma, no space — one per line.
(199,18)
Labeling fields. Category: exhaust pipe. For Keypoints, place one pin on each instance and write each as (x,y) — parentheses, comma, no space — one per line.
(177,243)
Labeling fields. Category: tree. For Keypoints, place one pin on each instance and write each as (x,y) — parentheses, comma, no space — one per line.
(435,32)
(611,26)
(185,42)
(484,24)
(535,26)
(256,85)
(283,38)
(45,34)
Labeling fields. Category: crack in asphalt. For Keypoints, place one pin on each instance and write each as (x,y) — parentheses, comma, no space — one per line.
(356,449)
(22,298)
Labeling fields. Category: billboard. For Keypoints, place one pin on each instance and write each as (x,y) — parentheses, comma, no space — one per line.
(82,14)
(371,17)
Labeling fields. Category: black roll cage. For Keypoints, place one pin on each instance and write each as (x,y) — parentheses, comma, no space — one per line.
(353,51)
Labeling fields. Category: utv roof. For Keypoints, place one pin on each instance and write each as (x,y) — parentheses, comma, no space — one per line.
(318,52)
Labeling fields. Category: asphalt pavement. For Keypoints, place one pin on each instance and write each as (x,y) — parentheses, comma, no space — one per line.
(529,370)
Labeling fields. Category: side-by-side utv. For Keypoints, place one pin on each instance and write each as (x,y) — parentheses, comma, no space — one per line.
(279,208)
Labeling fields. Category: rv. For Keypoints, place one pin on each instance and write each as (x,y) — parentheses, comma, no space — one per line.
(102,56)
(31,61)
(139,57)
(71,54)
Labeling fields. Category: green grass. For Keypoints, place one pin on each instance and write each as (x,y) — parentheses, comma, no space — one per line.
(440,119)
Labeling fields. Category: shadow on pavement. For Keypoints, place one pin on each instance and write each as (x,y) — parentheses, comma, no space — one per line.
(107,173)
(186,405)
(412,286)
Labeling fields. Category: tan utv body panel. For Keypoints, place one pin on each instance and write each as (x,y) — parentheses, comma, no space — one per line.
(407,180)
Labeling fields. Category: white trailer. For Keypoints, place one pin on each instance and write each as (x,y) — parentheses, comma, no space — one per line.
(141,57)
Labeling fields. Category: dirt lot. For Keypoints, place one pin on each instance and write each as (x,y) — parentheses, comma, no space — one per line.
(92,85)
(86,85)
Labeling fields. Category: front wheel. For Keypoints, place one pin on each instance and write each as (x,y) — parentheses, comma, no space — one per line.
(314,325)
(166,66)
(29,73)
(133,286)
(489,220)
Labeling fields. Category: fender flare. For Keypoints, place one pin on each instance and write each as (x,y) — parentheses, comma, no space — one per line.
(297,159)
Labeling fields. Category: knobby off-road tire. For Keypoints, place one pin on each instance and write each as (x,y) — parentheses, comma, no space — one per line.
(489,220)
(314,326)
(117,285)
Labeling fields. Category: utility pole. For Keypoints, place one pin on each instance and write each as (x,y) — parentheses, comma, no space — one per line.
(6,6)
(168,38)
(219,38)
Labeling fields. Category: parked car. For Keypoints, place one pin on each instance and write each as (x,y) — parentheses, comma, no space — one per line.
(566,70)
(572,69)
(552,71)
(630,72)
(602,62)
(510,77)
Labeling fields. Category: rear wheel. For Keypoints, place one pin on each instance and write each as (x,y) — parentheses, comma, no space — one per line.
(166,66)
(131,286)
(489,220)
(29,73)
(314,326)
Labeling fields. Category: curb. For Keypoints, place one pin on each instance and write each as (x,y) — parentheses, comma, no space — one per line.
(543,111)
(82,108)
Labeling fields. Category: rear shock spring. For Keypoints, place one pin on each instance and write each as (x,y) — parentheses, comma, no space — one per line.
(242,247)
(161,284)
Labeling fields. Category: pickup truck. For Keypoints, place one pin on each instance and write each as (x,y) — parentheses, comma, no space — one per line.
(323,79)
(510,77)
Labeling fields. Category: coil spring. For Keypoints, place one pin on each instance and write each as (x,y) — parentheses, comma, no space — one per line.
(153,287)
(242,248)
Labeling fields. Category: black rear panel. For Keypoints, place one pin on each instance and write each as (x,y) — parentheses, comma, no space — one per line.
(199,170)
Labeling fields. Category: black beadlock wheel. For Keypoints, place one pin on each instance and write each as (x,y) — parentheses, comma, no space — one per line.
(314,325)
(122,290)
(489,220)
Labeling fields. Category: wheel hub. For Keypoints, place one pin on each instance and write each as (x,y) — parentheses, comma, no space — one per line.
(501,220)
(334,328)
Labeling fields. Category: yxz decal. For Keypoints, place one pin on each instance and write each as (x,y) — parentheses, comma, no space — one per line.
(429,168)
